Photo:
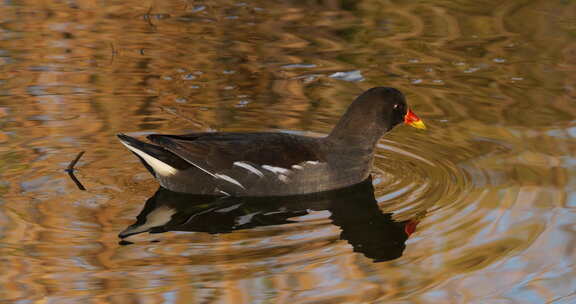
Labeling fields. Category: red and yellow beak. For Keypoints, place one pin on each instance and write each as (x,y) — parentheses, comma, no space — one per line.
(414,121)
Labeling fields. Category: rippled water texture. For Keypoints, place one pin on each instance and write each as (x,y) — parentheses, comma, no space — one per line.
(491,182)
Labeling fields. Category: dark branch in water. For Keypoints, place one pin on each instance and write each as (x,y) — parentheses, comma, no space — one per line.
(70,170)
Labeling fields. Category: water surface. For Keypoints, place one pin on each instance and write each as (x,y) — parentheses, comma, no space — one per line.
(491,181)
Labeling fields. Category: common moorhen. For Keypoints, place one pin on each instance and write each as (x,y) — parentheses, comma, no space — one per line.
(276,164)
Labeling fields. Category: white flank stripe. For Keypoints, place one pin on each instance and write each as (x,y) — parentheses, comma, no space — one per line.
(276,170)
(249,168)
(159,166)
(297,167)
(312,162)
(229,179)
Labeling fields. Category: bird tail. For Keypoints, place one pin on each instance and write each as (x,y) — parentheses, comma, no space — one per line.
(159,161)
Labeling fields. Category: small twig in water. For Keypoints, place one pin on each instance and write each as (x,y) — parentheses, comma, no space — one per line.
(148,19)
(192,121)
(114,52)
(70,170)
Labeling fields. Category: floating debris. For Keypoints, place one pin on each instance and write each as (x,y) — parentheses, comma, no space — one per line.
(242,103)
(198,8)
(308,78)
(471,70)
(36,90)
(352,76)
(299,66)
(188,119)
(189,77)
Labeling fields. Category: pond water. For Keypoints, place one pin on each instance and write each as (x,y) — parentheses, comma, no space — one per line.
(489,187)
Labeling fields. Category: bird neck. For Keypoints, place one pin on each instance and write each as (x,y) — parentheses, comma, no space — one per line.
(359,127)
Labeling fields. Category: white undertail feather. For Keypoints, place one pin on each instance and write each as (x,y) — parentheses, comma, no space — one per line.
(160,167)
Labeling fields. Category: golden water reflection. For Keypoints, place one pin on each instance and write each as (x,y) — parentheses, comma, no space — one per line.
(493,80)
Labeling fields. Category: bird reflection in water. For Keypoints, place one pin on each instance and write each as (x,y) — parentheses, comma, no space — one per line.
(354,209)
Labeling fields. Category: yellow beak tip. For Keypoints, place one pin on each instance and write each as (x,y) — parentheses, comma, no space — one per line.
(418,125)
